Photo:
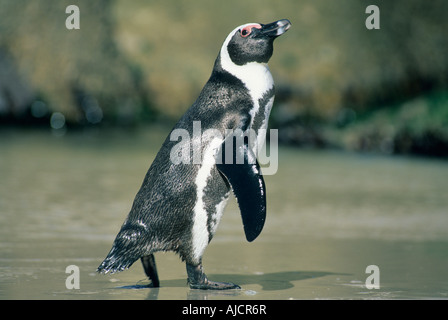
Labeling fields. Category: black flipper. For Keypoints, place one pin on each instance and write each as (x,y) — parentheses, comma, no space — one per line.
(247,183)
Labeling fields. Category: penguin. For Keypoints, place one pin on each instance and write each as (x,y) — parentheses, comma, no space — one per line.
(179,204)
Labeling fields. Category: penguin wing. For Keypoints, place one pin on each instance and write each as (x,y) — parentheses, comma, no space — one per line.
(242,171)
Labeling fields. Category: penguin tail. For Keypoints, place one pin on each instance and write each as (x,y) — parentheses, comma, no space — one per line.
(125,251)
(115,262)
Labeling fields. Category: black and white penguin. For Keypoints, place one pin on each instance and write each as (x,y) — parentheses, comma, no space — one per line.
(179,205)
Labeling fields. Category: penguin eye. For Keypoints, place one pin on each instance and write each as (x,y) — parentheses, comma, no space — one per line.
(246,31)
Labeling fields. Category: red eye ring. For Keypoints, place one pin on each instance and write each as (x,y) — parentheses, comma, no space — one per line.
(247,30)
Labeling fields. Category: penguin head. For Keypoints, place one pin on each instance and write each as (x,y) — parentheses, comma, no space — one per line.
(253,42)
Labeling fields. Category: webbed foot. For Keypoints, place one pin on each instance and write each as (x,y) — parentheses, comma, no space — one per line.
(198,280)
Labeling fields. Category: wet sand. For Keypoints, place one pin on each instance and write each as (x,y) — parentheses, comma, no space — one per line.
(330,215)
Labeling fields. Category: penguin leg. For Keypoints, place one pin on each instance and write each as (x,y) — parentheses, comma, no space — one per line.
(198,280)
(149,265)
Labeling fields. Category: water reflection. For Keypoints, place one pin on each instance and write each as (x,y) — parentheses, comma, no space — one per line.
(268,282)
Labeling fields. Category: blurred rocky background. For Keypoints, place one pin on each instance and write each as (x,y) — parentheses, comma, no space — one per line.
(134,63)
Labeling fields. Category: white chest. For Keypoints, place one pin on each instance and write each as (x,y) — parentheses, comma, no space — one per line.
(256,76)
(258,80)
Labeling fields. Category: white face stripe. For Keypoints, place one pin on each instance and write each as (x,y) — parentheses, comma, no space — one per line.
(226,42)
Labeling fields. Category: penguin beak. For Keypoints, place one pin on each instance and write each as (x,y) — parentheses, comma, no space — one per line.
(275,29)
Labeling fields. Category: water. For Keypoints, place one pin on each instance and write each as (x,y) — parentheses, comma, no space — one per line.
(330,215)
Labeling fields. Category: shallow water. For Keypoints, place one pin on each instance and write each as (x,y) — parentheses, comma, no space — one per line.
(330,215)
